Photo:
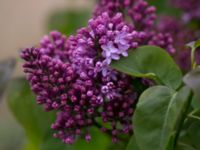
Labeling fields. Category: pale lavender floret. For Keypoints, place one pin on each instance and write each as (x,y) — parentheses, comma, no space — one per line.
(113,39)
(110,52)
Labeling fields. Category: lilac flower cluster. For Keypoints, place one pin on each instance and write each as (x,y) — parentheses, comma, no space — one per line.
(72,75)
(48,71)
(191,8)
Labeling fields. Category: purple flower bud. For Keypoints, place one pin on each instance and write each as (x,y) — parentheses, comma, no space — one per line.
(89,93)
(87,137)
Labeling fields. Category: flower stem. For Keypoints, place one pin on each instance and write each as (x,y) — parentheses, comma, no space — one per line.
(193,63)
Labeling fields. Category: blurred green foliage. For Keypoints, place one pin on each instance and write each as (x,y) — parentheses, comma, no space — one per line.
(163,7)
(32,117)
(68,21)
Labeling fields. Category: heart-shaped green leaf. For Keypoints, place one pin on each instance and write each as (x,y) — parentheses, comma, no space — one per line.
(150,62)
(158,116)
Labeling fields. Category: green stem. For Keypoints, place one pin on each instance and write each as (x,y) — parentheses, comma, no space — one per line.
(194,117)
(193,112)
(193,63)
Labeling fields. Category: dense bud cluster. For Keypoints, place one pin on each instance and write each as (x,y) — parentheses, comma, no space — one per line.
(163,40)
(72,75)
(181,35)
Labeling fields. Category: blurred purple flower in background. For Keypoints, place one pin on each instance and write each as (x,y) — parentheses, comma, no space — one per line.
(191,8)
(181,35)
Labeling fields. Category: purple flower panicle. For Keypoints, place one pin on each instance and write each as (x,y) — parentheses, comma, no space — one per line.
(72,75)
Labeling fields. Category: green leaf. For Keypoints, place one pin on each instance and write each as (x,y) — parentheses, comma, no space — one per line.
(192,80)
(68,21)
(158,117)
(195,102)
(32,117)
(190,136)
(150,62)
(117,146)
(132,145)
(6,70)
